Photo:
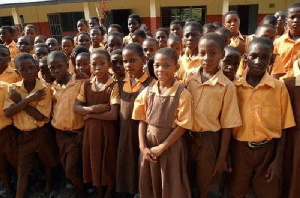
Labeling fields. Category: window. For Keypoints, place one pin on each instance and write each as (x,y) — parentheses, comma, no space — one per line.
(7,20)
(169,14)
(69,20)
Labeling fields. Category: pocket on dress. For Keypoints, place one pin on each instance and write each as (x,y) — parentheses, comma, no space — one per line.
(271,117)
(211,106)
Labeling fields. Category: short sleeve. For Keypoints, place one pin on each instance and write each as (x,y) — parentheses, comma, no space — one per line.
(184,116)
(7,101)
(287,115)
(81,95)
(115,96)
(140,108)
(44,105)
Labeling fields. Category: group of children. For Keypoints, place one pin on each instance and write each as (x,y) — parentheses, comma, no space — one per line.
(197,112)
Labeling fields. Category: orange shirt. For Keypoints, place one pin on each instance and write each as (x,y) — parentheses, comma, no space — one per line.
(64,98)
(184,110)
(288,50)
(214,103)
(137,85)
(10,76)
(22,120)
(265,109)
(5,121)
(239,42)
(127,39)
(12,49)
(102,47)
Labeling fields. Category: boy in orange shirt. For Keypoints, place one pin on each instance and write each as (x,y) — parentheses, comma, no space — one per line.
(7,73)
(6,35)
(257,146)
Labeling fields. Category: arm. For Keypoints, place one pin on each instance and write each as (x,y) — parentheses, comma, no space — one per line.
(16,108)
(83,110)
(33,112)
(147,154)
(112,114)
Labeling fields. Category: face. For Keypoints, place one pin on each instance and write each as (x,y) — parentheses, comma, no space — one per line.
(99,65)
(191,37)
(84,40)
(162,39)
(137,39)
(293,21)
(23,44)
(4,58)
(149,49)
(82,27)
(114,43)
(210,55)
(281,18)
(232,22)
(117,64)
(67,46)
(164,67)
(58,68)
(93,23)
(53,44)
(133,63)
(40,52)
(5,36)
(46,72)
(31,33)
(38,40)
(96,36)
(83,65)
(258,58)
(266,32)
(28,70)
(133,25)
(230,63)
(176,29)
(175,45)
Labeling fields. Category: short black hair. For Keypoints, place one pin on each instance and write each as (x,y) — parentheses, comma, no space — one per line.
(6,48)
(40,36)
(41,45)
(175,38)
(54,39)
(86,54)
(16,29)
(194,24)
(77,50)
(117,51)
(153,40)
(57,55)
(7,28)
(118,27)
(168,52)
(25,37)
(216,38)
(82,32)
(43,60)
(209,26)
(95,18)
(293,5)
(102,52)
(269,19)
(82,21)
(116,34)
(68,38)
(190,20)
(223,31)
(175,22)
(137,48)
(30,26)
(231,12)
(262,41)
(135,17)
(102,31)
(21,57)
(264,26)
(162,30)
(217,24)
(231,48)
(140,33)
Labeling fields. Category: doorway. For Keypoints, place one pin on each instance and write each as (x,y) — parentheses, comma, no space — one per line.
(118,17)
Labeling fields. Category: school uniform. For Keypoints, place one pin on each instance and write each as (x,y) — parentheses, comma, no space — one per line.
(67,124)
(187,65)
(215,107)
(128,147)
(163,113)
(99,152)
(239,42)
(265,111)
(33,137)
(127,39)
(101,47)
(9,75)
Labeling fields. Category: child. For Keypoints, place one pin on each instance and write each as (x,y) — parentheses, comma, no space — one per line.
(230,63)
(128,149)
(30,31)
(68,125)
(84,40)
(72,62)
(117,64)
(164,111)
(23,44)
(39,39)
(161,35)
(215,114)
(208,28)
(150,46)
(7,73)
(287,46)
(225,33)
(67,46)
(114,41)
(94,22)
(82,26)
(115,28)
(16,33)
(175,43)
(257,146)
(83,67)
(134,23)
(176,28)
(6,35)
(45,72)
(97,34)
(52,44)
(139,36)
(281,23)
(28,102)
(41,50)
(98,101)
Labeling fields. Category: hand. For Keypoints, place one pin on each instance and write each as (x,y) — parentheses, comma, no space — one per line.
(87,116)
(223,165)
(37,96)
(100,108)
(157,150)
(274,171)
(81,76)
(147,155)
(79,138)
(15,96)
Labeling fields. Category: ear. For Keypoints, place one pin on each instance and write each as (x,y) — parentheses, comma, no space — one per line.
(177,67)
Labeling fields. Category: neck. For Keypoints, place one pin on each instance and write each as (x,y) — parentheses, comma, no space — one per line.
(166,84)
(29,86)
(253,80)
(96,45)
(66,79)
(8,42)
(294,35)
(209,74)
(2,69)
(235,34)
(102,79)
(139,75)
(192,52)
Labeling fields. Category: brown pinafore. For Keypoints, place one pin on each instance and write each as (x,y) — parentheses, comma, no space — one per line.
(167,177)
(291,165)
(128,148)
(99,142)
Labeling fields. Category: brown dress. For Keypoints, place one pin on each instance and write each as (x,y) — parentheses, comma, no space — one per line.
(128,148)
(167,177)
(291,165)
(99,141)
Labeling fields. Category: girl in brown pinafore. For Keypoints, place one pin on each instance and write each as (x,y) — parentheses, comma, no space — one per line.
(164,111)
(128,148)
(99,101)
